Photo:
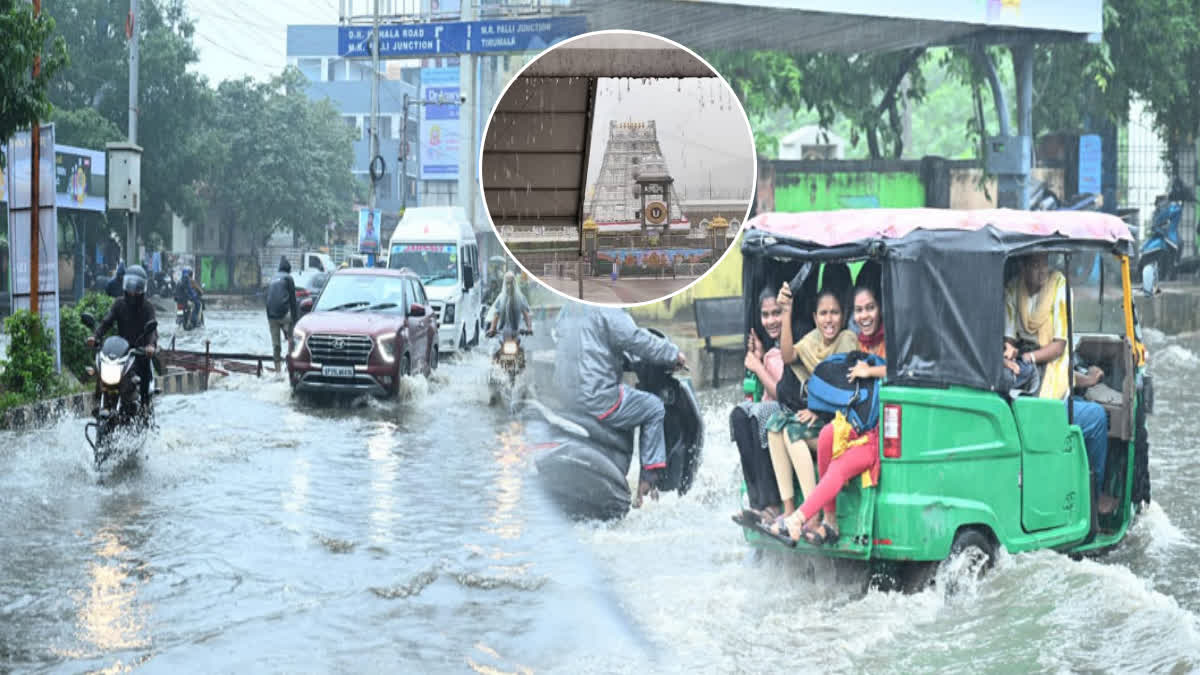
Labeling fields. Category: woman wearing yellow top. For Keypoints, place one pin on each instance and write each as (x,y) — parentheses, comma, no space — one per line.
(789,432)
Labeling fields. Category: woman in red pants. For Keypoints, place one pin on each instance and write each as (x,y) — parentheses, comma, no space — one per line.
(841,459)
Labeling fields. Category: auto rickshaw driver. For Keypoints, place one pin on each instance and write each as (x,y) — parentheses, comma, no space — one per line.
(1035,332)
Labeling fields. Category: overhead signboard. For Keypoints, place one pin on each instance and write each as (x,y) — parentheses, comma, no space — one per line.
(20,206)
(1071,16)
(460,37)
(523,35)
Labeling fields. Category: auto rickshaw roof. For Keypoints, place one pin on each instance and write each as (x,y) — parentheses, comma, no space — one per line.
(851,227)
(942,275)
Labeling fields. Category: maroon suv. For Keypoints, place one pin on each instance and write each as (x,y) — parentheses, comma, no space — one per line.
(369,327)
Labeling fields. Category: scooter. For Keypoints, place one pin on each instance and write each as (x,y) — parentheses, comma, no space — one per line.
(117,398)
(582,464)
(1160,254)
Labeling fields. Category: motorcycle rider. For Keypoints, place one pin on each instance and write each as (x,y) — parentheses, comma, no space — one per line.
(188,293)
(131,312)
(281,299)
(113,288)
(588,365)
(509,306)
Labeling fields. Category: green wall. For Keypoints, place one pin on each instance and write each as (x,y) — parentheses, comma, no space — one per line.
(803,191)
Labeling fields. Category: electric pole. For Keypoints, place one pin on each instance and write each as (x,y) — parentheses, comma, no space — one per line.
(373,140)
(132,26)
(35,142)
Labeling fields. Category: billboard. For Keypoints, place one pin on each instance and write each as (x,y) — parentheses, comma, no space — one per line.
(439,139)
(79,179)
(368,231)
(20,212)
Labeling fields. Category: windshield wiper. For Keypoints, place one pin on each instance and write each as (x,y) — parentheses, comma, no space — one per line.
(382,305)
(439,275)
(347,305)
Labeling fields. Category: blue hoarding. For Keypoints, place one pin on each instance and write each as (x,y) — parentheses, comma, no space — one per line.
(460,37)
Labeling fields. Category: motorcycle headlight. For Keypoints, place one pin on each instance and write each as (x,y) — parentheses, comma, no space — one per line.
(110,372)
(297,343)
(448,313)
(387,344)
(510,348)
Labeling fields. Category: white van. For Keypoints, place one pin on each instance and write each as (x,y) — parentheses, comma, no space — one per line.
(439,245)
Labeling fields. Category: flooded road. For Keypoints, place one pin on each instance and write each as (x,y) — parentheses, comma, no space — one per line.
(258,534)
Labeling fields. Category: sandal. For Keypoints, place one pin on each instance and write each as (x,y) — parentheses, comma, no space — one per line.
(822,535)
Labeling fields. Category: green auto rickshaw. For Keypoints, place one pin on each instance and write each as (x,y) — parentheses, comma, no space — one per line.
(963,465)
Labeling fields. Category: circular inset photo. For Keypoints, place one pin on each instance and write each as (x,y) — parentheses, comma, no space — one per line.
(617,167)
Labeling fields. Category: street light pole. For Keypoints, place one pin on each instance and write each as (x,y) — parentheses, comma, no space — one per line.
(131,234)
(404,155)
(35,142)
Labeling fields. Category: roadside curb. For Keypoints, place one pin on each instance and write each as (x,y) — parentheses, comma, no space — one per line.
(41,413)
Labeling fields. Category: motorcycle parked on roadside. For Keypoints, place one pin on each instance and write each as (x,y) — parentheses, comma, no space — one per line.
(163,285)
(117,405)
(1161,251)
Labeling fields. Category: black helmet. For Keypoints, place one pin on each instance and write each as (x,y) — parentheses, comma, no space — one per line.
(135,280)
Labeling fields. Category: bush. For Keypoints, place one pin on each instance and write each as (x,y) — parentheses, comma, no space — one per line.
(29,368)
(75,353)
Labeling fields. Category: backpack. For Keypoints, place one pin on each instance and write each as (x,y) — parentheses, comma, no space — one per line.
(830,392)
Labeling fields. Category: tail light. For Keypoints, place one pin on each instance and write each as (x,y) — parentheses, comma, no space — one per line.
(891,431)
(302,293)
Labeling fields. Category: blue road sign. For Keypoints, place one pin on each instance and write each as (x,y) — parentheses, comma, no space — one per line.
(404,40)
(524,35)
(460,37)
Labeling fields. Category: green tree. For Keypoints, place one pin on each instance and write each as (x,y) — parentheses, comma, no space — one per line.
(172,102)
(869,90)
(279,159)
(23,37)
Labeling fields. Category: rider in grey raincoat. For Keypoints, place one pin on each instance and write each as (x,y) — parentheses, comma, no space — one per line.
(588,364)
(509,308)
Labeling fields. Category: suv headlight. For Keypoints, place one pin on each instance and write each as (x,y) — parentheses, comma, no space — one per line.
(448,313)
(387,347)
(297,342)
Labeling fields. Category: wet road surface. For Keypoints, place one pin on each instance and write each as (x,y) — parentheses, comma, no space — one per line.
(260,534)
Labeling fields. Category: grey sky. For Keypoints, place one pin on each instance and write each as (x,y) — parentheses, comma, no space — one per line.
(701,129)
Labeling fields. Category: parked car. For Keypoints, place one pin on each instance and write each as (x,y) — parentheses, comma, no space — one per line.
(315,283)
(367,329)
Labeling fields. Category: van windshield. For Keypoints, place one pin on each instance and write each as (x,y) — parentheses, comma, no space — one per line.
(436,264)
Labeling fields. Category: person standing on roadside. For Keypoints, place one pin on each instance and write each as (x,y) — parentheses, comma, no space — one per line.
(281,302)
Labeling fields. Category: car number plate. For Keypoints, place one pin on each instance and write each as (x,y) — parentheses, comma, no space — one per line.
(338,371)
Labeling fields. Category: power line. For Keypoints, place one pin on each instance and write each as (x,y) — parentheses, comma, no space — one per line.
(234,52)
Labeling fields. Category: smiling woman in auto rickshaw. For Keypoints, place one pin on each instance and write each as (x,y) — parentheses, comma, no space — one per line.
(788,432)
(966,461)
(842,453)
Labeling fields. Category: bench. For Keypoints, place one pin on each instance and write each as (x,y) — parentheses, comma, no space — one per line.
(720,317)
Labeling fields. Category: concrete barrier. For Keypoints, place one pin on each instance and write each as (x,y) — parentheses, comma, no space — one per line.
(1176,310)
(41,413)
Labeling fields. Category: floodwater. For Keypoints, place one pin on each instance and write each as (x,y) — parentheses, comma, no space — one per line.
(257,534)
